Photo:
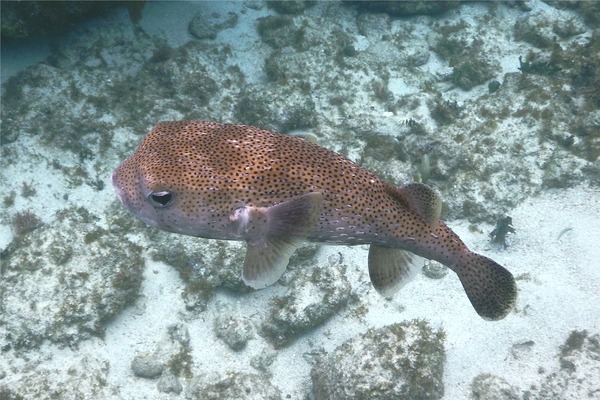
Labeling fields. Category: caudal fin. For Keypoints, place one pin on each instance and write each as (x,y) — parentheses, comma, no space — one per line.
(490,287)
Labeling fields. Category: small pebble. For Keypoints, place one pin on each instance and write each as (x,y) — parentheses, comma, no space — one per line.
(147,366)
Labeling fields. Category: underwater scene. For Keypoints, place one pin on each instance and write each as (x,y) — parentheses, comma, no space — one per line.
(300,200)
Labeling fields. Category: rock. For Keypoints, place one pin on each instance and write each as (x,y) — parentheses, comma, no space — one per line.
(373,26)
(263,360)
(541,31)
(207,26)
(314,295)
(26,20)
(290,6)
(76,377)
(169,383)
(169,359)
(202,264)
(435,270)
(62,281)
(472,60)
(578,375)
(235,330)
(206,264)
(275,107)
(397,56)
(235,386)
(493,86)
(491,387)
(405,8)
(278,31)
(147,365)
(399,361)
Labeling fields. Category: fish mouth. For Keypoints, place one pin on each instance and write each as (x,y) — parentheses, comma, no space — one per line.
(130,202)
(118,191)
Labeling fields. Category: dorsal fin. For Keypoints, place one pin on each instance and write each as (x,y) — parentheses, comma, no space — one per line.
(421,199)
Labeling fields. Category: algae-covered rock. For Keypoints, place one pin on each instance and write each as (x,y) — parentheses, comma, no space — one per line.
(576,377)
(234,386)
(276,107)
(233,329)
(290,6)
(542,30)
(207,26)
(62,281)
(405,8)
(28,19)
(279,31)
(400,361)
(579,370)
(204,265)
(169,383)
(491,387)
(81,376)
(167,361)
(472,60)
(314,296)
(373,26)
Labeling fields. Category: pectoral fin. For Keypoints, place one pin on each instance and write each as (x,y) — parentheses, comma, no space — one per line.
(390,268)
(274,233)
(266,261)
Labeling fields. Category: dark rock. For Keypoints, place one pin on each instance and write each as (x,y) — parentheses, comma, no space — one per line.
(290,6)
(405,8)
(29,19)
(207,26)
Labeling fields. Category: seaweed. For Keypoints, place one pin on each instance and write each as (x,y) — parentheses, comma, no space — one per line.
(444,112)
(25,222)
(9,199)
(534,66)
(493,86)
(28,190)
(503,228)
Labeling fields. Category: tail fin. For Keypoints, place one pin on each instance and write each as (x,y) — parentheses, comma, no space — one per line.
(490,287)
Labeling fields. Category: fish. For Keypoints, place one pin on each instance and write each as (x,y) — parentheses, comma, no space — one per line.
(276,191)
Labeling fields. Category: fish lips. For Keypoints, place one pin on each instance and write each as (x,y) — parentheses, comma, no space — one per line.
(134,203)
(118,190)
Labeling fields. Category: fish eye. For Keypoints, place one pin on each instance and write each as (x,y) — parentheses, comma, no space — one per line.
(161,199)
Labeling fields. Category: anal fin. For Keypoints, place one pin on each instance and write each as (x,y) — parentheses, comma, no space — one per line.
(391,268)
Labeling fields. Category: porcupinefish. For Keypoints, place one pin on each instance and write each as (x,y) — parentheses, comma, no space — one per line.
(275,191)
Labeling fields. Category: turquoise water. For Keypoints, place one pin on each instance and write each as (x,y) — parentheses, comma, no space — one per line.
(495,107)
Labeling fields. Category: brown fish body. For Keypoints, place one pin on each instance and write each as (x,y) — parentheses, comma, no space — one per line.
(237,182)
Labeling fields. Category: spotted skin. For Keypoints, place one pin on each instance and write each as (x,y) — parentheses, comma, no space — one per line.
(194,177)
